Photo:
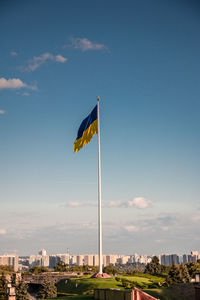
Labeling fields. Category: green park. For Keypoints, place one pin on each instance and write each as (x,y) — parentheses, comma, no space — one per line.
(162,282)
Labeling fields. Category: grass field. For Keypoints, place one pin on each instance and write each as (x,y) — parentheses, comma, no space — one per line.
(82,288)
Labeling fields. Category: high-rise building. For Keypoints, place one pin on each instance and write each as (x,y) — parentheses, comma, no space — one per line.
(95,260)
(64,258)
(53,260)
(72,260)
(123,259)
(9,260)
(79,260)
(45,260)
(111,259)
(88,259)
(167,259)
(185,259)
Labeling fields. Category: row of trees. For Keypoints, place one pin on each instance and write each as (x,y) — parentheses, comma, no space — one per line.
(62,267)
(177,274)
(174,273)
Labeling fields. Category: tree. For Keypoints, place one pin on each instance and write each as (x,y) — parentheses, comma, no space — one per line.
(193,268)
(164,270)
(110,270)
(48,290)
(39,269)
(22,291)
(3,287)
(61,267)
(154,267)
(185,276)
(6,268)
(174,275)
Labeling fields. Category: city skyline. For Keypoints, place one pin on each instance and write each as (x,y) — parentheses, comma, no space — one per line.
(44,259)
(142,59)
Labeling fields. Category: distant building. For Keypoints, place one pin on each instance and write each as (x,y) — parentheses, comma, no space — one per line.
(123,259)
(64,258)
(53,260)
(79,260)
(111,259)
(9,260)
(193,257)
(73,260)
(185,259)
(167,259)
(43,252)
(95,260)
(88,260)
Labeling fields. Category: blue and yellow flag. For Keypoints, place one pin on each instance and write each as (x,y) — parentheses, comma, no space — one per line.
(86,131)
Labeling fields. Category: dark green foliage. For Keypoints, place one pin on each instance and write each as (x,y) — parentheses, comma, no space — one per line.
(3,287)
(154,285)
(118,279)
(21,291)
(129,284)
(174,275)
(6,268)
(164,270)
(110,270)
(13,280)
(86,268)
(61,267)
(48,290)
(193,268)
(185,277)
(154,267)
(130,268)
(38,270)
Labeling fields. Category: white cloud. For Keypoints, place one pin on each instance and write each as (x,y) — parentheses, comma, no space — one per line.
(114,204)
(139,202)
(37,61)
(75,204)
(2,112)
(79,204)
(14,83)
(60,58)
(84,44)
(131,228)
(13,53)
(2,231)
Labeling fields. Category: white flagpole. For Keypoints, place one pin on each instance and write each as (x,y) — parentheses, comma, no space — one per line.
(99,193)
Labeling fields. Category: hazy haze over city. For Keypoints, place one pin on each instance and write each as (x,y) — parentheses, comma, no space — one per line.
(142,59)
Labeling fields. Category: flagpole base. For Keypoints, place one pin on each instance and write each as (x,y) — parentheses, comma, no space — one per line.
(98,275)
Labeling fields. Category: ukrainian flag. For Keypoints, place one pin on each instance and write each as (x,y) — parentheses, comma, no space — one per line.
(86,131)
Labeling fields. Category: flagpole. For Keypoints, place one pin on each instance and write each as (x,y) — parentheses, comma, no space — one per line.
(99,193)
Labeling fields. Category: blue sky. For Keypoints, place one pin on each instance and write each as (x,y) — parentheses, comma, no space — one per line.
(142,59)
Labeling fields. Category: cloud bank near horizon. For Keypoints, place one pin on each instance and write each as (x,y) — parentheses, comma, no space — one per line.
(137,202)
(140,233)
